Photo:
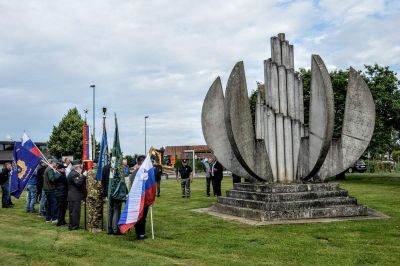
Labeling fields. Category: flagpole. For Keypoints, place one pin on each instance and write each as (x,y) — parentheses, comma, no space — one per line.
(151,220)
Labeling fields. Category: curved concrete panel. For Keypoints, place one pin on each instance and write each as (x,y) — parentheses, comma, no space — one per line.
(357,130)
(214,131)
(321,119)
(239,126)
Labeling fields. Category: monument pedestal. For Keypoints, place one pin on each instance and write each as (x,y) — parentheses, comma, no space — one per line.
(274,201)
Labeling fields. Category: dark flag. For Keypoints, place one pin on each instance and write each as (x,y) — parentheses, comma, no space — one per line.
(117,187)
(23,166)
(103,155)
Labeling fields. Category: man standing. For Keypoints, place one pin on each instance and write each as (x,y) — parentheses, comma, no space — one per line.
(39,184)
(207,170)
(61,194)
(185,174)
(94,201)
(76,188)
(50,191)
(217,175)
(158,173)
(140,226)
(5,185)
(68,166)
(125,172)
(32,190)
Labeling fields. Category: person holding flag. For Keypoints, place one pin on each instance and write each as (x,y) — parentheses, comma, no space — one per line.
(117,189)
(141,197)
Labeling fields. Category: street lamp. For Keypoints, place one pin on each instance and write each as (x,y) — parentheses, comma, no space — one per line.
(94,122)
(193,154)
(145,134)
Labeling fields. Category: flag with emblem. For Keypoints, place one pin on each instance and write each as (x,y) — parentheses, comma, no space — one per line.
(142,194)
(23,166)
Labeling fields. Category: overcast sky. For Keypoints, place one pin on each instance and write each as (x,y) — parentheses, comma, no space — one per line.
(159,57)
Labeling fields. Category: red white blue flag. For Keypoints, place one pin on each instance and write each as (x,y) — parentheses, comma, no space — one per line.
(142,194)
(28,144)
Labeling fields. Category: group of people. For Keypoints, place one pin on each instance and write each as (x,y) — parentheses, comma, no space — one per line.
(58,186)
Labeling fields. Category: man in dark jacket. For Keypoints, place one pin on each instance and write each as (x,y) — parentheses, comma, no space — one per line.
(158,173)
(49,188)
(61,194)
(5,185)
(76,189)
(217,175)
(39,179)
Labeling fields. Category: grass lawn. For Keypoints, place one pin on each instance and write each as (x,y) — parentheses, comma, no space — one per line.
(184,237)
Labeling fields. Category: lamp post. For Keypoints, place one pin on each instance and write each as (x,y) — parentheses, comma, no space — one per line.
(145,134)
(194,166)
(94,122)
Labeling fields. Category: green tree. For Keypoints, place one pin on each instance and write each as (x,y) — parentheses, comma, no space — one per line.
(66,138)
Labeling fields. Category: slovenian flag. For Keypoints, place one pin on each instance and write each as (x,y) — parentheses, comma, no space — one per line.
(142,194)
(28,144)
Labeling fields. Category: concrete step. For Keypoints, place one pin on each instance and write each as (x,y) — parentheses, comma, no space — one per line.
(259,215)
(287,205)
(278,197)
(285,188)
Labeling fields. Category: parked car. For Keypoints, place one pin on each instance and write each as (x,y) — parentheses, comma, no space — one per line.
(358,166)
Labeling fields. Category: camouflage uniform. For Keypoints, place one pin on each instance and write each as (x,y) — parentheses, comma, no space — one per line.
(94,202)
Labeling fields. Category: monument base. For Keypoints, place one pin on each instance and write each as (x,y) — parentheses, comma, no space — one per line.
(274,202)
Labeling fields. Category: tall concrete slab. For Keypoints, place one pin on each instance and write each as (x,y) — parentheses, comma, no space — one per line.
(301,101)
(274,87)
(287,128)
(283,101)
(214,131)
(259,116)
(291,97)
(239,127)
(276,54)
(296,145)
(280,148)
(285,54)
(267,81)
(321,116)
(272,142)
(291,57)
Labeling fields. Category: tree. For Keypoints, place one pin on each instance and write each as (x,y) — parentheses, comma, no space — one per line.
(131,159)
(66,138)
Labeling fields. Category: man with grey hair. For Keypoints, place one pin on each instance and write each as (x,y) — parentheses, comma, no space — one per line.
(76,188)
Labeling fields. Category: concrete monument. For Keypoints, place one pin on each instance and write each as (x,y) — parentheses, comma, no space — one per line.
(282,153)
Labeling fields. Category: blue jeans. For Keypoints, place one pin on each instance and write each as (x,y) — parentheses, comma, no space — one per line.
(51,208)
(31,198)
(43,201)
(5,199)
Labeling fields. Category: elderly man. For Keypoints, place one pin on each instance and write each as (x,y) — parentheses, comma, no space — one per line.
(185,175)
(76,188)
(49,188)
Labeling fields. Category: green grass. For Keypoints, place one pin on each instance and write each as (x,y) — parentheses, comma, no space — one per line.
(184,237)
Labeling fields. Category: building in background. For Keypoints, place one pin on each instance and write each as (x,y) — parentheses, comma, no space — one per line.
(201,151)
(7,148)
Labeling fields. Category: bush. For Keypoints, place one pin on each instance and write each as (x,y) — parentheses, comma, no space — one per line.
(380,166)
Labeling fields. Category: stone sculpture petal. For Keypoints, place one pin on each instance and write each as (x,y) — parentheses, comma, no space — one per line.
(251,153)
(214,131)
(321,118)
(357,130)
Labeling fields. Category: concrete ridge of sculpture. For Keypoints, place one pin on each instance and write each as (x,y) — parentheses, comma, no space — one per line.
(281,148)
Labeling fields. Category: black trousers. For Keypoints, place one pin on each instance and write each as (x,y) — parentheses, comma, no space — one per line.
(140,226)
(208,183)
(113,215)
(62,205)
(236,179)
(217,186)
(74,214)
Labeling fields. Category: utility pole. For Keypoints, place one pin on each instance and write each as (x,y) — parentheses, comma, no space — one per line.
(94,123)
(145,135)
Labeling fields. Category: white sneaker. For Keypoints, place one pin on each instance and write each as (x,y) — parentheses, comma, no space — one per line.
(54,221)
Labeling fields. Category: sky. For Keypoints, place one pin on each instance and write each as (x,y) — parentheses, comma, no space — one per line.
(159,57)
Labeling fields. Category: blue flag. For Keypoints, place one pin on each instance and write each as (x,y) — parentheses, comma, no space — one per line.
(103,156)
(24,164)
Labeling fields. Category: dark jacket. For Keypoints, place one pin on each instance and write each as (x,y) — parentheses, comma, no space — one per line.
(76,186)
(105,179)
(49,180)
(158,172)
(218,171)
(4,176)
(40,177)
(61,185)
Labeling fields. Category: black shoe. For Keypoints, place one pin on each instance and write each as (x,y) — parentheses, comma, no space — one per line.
(61,224)
(183,196)
(158,195)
